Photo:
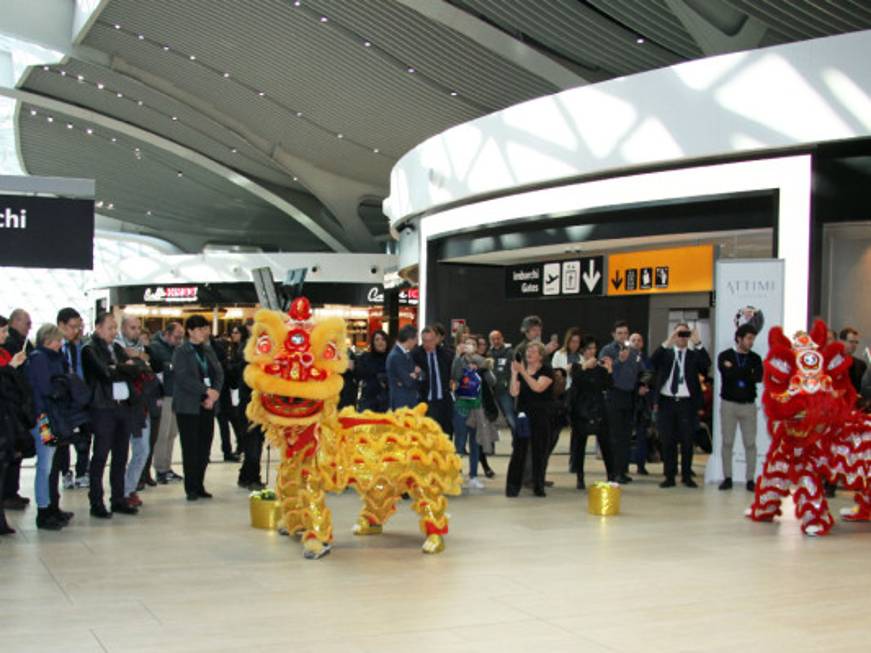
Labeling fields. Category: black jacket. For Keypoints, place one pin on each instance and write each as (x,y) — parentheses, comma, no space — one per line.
(697,362)
(587,398)
(101,372)
(17,414)
(371,371)
(160,352)
(739,380)
(15,342)
(444,360)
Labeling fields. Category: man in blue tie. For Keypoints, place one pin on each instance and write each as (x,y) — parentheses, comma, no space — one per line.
(678,363)
(435,364)
(403,376)
(69,321)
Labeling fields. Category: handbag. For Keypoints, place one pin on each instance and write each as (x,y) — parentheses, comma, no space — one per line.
(524,427)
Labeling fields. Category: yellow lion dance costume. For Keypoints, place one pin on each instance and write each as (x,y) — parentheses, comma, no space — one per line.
(295,373)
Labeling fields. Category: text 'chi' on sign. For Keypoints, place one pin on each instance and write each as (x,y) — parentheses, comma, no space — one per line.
(676,269)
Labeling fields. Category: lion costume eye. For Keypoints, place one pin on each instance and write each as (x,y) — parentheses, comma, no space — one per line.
(264,344)
(330,352)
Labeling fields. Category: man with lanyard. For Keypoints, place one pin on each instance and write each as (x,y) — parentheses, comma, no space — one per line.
(740,371)
(626,369)
(679,398)
(502,355)
(69,321)
(435,390)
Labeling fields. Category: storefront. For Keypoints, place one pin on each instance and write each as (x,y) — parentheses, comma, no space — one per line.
(226,304)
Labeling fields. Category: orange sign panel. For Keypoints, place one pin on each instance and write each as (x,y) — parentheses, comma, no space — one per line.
(677,269)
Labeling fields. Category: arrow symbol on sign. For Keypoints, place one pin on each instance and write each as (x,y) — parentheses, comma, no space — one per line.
(592,276)
(617,280)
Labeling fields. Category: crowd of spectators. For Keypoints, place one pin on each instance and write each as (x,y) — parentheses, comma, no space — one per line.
(121,396)
(118,397)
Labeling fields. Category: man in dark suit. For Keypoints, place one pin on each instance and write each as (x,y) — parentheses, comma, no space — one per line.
(435,381)
(403,376)
(678,363)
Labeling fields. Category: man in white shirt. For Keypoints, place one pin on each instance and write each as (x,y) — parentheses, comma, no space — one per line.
(678,363)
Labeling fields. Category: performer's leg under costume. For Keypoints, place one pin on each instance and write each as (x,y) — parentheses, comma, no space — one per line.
(433,520)
(379,503)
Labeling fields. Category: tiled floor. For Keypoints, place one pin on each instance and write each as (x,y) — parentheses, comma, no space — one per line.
(678,570)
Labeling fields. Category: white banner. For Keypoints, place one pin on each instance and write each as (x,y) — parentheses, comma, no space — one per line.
(749,290)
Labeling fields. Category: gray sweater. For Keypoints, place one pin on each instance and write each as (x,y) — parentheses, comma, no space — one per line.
(188,386)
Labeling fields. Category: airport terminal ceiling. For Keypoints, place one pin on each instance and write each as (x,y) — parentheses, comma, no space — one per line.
(310,103)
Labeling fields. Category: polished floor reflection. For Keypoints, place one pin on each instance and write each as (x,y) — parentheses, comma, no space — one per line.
(678,570)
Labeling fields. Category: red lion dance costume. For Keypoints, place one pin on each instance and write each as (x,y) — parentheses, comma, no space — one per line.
(816,433)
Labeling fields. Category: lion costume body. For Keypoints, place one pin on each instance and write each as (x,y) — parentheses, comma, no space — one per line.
(295,373)
(816,433)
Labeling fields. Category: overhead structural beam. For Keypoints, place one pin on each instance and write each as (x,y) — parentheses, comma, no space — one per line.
(182,152)
(499,43)
(710,39)
(272,153)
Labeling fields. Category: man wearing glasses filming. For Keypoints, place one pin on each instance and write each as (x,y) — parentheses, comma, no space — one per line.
(678,363)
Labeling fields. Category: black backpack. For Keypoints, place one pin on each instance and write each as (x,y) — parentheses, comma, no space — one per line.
(67,406)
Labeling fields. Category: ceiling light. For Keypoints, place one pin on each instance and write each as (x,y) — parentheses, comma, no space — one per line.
(50,119)
(81,78)
(175,118)
(411,69)
(166,48)
(136,149)
(261,93)
(89,131)
(324,19)
(140,102)
(117,26)
(101,85)
(376,150)
(33,112)
(69,125)
(63,73)
(45,68)
(340,136)
(193,57)
(119,95)
(114,140)
(110,205)
(179,174)
(233,150)
(367,44)
(226,75)
(639,40)
(148,212)
(297,3)
(141,37)
(454,94)
(296,178)
(99,204)
(299,114)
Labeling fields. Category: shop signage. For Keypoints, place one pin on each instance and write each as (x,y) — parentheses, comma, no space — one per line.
(673,270)
(172,294)
(46,232)
(578,277)
(375,295)
(407,296)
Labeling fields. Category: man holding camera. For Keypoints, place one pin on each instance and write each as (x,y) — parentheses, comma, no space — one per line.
(678,363)
(626,366)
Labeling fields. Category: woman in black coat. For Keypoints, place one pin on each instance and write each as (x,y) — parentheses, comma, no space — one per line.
(371,370)
(16,411)
(590,379)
